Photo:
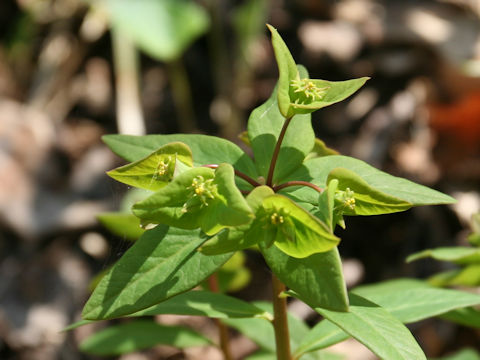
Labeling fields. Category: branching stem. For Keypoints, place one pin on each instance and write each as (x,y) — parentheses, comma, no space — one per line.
(297,183)
(277,151)
(241,175)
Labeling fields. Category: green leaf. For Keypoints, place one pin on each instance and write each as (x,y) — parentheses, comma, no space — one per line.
(326,205)
(464,354)
(287,70)
(296,232)
(233,276)
(206,303)
(322,335)
(456,254)
(317,170)
(321,149)
(413,300)
(198,303)
(262,355)
(309,95)
(467,276)
(239,238)
(409,300)
(262,333)
(465,316)
(377,329)
(138,335)
(316,280)
(206,149)
(163,29)
(157,169)
(474,237)
(264,127)
(299,95)
(367,199)
(121,224)
(148,273)
(199,197)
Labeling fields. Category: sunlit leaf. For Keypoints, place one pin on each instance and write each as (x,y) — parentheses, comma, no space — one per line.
(157,169)
(264,126)
(366,200)
(317,280)
(148,273)
(376,328)
(456,254)
(243,236)
(317,170)
(200,197)
(295,231)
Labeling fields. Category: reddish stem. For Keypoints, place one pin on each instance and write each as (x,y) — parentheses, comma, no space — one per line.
(297,183)
(241,175)
(277,151)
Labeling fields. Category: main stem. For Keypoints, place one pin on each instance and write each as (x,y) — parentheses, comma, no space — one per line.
(222,329)
(280,322)
(271,170)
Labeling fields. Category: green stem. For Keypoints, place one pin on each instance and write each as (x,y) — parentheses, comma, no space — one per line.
(277,151)
(297,183)
(182,96)
(222,329)
(280,322)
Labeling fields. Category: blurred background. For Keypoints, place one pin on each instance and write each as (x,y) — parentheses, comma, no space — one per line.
(72,71)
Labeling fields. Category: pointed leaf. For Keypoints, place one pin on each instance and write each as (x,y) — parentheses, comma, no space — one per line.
(287,71)
(321,149)
(121,224)
(198,303)
(377,329)
(206,303)
(466,276)
(296,232)
(139,335)
(206,149)
(148,273)
(464,354)
(326,204)
(409,300)
(298,94)
(413,300)
(243,236)
(321,336)
(466,316)
(199,197)
(309,95)
(264,127)
(456,254)
(157,169)
(163,29)
(316,280)
(317,170)
(367,199)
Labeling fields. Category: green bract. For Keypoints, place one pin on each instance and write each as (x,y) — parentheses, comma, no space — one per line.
(157,169)
(300,95)
(198,198)
(207,200)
